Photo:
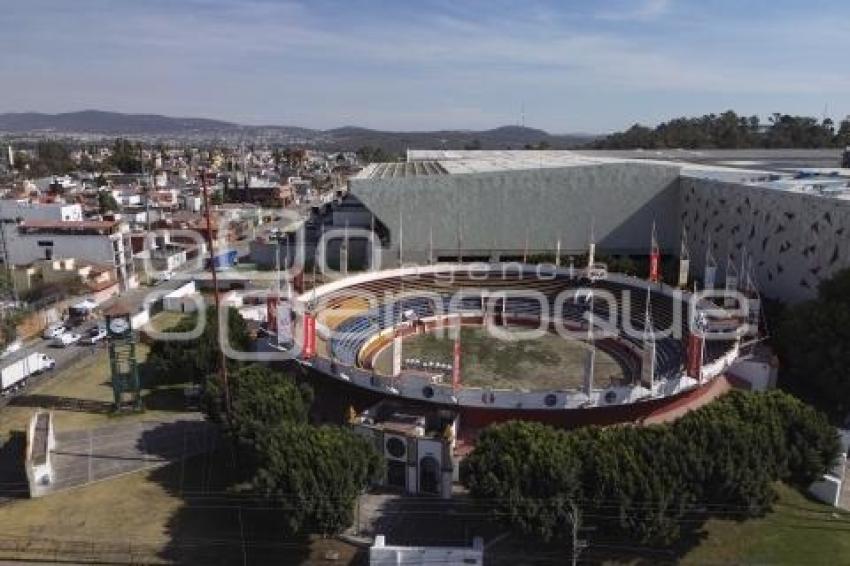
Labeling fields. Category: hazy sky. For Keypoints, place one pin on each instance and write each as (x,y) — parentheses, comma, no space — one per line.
(588,66)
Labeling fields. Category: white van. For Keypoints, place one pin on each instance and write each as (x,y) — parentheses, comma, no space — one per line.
(53,330)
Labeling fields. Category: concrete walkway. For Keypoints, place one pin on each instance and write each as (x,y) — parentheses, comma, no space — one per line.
(88,456)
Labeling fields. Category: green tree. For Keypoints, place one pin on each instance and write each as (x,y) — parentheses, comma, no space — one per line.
(52,158)
(193,361)
(647,482)
(728,131)
(531,469)
(126,156)
(106,202)
(314,474)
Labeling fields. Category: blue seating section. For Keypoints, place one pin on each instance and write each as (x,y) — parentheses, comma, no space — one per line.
(352,333)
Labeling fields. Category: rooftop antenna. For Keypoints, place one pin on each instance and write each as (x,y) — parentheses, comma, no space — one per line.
(522,114)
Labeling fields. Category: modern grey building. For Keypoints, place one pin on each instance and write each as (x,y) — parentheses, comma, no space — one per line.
(781,214)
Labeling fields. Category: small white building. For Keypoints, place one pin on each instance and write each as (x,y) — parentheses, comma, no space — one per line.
(382,554)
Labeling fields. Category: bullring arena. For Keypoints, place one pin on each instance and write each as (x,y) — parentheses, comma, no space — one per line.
(500,341)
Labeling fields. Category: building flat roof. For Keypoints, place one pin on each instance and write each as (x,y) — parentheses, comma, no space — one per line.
(70,224)
(812,171)
(410,169)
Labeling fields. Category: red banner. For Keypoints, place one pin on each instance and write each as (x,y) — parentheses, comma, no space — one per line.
(309,349)
(695,356)
(654,261)
(456,361)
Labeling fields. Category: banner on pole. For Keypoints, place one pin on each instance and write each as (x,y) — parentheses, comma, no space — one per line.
(695,356)
(684,269)
(710,276)
(284,323)
(647,368)
(309,349)
(271,314)
(396,353)
(731,287)
(654,271)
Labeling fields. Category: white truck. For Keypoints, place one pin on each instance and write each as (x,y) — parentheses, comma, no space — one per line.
(14,375)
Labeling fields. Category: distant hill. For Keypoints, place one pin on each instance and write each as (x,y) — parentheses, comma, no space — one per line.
(505,137)
(96,122)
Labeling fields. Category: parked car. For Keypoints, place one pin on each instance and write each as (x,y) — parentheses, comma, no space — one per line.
(163,276)
(95,335)
(66,339)
(54,330)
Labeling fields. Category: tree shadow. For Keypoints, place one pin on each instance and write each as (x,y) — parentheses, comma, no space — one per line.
(216,524)
(13,476)
(426,521)
(166,399)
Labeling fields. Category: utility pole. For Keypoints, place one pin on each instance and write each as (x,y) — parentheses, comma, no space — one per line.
(211,245)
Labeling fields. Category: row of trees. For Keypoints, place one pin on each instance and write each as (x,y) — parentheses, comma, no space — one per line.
(731,131)
(313,473)
(650,483)
(50,158)
(53,157)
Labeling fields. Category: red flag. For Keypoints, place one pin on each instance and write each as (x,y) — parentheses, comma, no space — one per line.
(456,360)
(654,259)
